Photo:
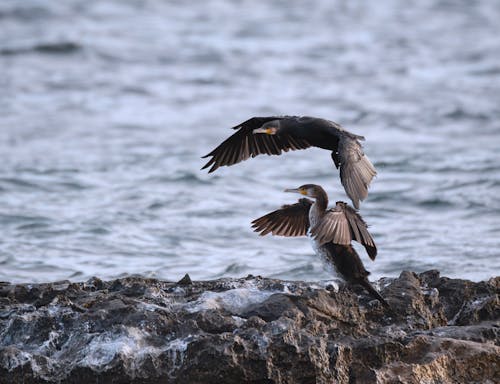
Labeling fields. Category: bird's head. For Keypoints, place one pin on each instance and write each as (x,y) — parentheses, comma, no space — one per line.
(270,128)
(309,190)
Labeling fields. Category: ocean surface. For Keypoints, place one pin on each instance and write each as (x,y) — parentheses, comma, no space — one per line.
(107,106)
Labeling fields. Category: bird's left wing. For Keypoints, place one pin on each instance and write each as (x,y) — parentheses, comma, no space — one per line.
(289,220)
(341,225)
(244,143)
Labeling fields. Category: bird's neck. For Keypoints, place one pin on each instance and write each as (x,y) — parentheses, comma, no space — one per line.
(321,202)
(318,208)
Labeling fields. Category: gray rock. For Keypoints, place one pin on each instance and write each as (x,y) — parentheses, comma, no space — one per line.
(250,330)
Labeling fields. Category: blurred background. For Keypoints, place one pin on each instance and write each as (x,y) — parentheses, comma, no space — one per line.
(107,106)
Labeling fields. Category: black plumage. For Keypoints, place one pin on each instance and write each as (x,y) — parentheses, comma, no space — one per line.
(273,135)
(348,263)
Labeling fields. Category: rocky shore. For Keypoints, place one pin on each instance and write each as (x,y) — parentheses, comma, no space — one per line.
(250,330)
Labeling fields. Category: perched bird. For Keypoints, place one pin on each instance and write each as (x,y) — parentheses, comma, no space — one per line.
(274,134)
(331,232)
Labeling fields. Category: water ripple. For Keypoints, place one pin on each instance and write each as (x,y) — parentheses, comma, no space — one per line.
(102,124)
(57,48)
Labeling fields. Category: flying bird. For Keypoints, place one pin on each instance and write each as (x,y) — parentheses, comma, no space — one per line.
(330,230)
(273,135)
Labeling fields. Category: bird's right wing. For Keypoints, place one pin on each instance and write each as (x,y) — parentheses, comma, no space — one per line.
(289,220)
(244,143)
(341,225)
(356,170)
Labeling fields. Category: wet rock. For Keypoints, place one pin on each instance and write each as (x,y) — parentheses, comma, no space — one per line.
(186,280)
(252,330)
(271,309)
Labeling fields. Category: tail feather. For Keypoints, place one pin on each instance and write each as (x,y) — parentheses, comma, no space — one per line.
(366,284)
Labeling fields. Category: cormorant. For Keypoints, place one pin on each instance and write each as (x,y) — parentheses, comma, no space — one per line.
(273,134)
(331,232)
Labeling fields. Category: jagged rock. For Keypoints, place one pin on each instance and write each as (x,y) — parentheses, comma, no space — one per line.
(186,280)
(252,330)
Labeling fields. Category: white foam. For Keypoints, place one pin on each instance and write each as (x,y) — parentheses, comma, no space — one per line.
(176,351)
(133,347)
(334,283)
(103,348)
(232,300)
(239,320)
(479,302)
(50,342)
(153,307)
(16,358)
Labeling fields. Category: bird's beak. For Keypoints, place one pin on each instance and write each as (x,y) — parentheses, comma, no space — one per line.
(295,190)
(262,130)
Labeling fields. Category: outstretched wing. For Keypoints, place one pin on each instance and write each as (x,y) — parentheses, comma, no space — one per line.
(341,225)
(356,170)
(289,220)
(244,143)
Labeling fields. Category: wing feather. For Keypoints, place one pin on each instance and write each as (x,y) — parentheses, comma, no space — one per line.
(244,144)
(341,225)
(356,170)
(289,220)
